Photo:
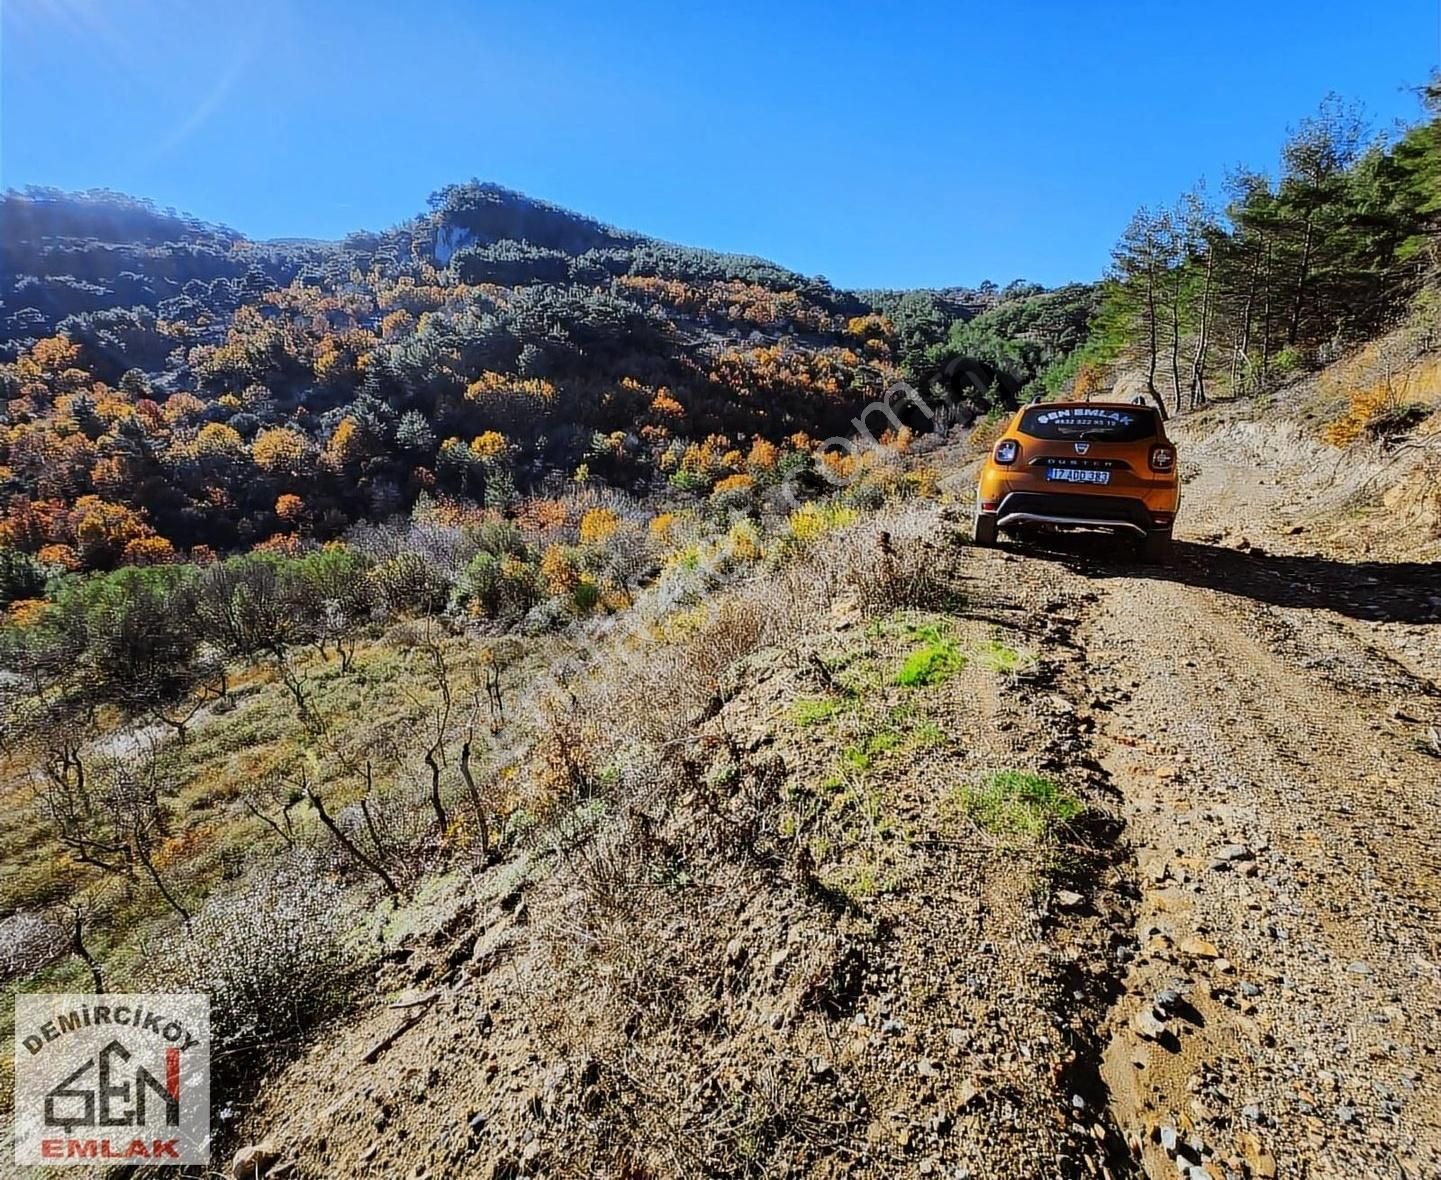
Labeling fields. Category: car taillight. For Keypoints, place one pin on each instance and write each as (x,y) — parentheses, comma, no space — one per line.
(1006,451)
(1163,458)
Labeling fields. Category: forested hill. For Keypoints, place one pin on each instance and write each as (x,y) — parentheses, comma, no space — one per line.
(169,384)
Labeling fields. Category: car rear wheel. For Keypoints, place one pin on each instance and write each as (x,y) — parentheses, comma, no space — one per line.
(985,529)
(1156,548)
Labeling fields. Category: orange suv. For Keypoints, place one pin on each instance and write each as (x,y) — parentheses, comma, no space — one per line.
(1105,465)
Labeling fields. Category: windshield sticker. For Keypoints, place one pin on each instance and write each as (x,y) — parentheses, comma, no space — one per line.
(1087,416)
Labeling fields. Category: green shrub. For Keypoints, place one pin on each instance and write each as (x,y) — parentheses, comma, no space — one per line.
(1287,361)
(1017,804)
(498,586)
(697,482)
(585,596)
(499,538)
(934,661)
(21,576)
(814,710)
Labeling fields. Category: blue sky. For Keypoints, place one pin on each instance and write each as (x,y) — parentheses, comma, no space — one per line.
(911,144)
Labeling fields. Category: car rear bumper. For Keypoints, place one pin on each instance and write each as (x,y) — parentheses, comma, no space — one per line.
(1121,513)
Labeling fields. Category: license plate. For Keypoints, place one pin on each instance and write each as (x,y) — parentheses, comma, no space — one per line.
(1077,475)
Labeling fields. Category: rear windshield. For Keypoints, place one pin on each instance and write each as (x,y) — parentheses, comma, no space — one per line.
(1106,423)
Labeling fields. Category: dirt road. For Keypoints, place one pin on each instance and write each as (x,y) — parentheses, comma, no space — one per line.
(1266,716)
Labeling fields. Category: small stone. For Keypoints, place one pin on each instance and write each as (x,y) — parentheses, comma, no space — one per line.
(1199,948)
(1169,1139)
(1067,899)
(1249,989)
(1260,1162)
(1234,852)
(1251,1113)
(1359,968)
(254,1159)
(1147,1025)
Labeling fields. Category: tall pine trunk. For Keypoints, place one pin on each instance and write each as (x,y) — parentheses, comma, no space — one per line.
(1241,355)
(1151,357)
(1198,361)
(1176,284)
(1303,274)
(1266,320)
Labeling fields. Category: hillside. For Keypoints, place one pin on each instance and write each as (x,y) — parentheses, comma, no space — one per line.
(173,387)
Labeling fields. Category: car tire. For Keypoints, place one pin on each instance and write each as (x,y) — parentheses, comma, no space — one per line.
(985,530)
(1156,548)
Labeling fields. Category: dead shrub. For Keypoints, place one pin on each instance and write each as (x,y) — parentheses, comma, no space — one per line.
(272,956)
(29,942)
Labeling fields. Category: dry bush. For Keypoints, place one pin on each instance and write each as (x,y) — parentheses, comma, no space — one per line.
(890,560)
(397,828)
(272,956)
(29,942)
(649,688)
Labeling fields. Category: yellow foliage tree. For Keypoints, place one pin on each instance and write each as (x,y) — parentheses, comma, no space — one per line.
(54,355)
(149,551)
(216,438)
(290,508)
(763,455)
(599,524)
(279,450)
(63,556)
(345,447)
(488,445)
(734,483)
(558,569)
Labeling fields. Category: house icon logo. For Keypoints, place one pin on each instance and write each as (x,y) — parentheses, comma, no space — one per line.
(112,1079)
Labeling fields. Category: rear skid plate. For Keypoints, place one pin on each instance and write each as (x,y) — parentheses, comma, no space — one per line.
(1041,518)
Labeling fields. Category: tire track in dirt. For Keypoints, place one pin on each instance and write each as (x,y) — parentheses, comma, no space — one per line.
(1280,1010)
